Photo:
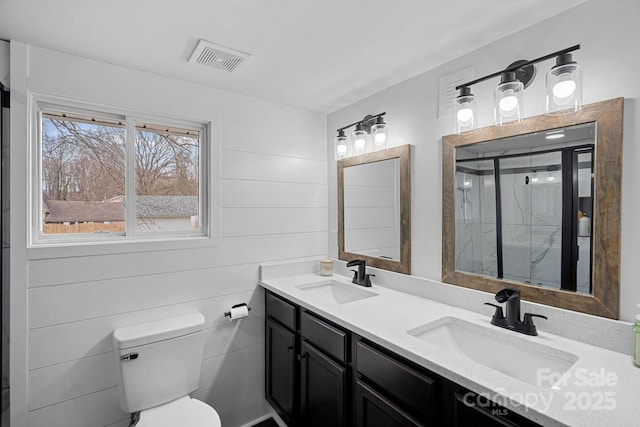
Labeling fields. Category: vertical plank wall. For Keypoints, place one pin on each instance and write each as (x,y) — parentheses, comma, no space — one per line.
(273,205)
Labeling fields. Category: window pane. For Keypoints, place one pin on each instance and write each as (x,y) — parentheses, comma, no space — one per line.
(167,184)
(82,174)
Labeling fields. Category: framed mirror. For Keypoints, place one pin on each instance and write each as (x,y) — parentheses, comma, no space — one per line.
(374,209)
(536,206)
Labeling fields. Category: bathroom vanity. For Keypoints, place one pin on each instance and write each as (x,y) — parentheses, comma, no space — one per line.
(343,379)
(340,354)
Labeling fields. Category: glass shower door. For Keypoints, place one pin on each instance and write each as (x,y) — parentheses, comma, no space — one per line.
(531,218)
(476,218)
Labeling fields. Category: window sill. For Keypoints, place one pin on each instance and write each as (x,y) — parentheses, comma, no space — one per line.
(77,249)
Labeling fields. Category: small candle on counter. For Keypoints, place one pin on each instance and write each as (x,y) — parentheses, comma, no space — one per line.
(326,267)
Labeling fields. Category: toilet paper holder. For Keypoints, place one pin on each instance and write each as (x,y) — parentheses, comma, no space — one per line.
(228,313)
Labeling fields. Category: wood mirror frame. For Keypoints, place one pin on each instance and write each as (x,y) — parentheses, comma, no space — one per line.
(403,153)
(604,299)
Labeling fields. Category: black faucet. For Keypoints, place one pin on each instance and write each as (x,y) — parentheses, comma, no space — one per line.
(359,276)
(512,320)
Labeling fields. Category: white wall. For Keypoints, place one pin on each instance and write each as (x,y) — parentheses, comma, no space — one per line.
(273,197)
(608,34)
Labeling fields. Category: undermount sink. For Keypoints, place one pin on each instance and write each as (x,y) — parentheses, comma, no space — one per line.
(522,359)
(336,292)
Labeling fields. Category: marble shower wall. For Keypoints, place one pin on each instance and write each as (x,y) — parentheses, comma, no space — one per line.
(532,218)
(476,219)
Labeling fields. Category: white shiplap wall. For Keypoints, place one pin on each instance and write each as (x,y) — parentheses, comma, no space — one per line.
(273,206)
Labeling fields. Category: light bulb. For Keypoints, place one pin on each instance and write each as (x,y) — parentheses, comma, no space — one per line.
(534,179)
(509,103)
(359,143)
(465,115)
(564,89)
(380,138)
(341,149)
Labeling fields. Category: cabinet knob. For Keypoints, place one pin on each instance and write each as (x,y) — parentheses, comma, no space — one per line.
(290,348)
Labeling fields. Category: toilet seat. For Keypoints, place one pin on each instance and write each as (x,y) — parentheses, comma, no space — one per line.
(183,412)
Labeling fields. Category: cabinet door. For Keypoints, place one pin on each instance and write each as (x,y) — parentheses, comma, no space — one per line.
(469,412)
(280,369)
(469,409)
(374,410)
(323,387)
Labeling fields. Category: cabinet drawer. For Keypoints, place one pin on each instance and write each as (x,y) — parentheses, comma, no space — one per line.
(324,336)
(409,388)
(281,310)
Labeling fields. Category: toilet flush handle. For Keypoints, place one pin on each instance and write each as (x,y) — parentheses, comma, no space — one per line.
(129,356)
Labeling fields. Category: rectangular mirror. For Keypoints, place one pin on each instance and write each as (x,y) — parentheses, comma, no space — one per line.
(531,206)
(374,209)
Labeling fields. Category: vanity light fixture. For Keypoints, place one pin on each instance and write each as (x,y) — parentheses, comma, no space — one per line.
(564,90)
(370,133)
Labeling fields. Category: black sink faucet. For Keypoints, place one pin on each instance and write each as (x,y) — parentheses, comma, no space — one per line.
(512,298)
(360,277)
(512,321)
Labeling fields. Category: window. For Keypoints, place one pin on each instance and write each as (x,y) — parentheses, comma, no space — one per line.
(118,176)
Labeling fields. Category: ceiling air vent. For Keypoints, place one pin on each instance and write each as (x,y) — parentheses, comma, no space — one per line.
(219,57)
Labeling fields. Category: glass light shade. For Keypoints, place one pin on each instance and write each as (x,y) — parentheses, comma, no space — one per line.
(564,86)
(464,111)
(342,146)
(379,136)
(508,100)
(361,144)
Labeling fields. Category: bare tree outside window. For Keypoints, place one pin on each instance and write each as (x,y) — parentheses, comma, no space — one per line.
(84,170)
(83,176)
(167,179)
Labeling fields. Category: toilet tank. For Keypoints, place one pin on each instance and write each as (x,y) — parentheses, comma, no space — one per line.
(159,361)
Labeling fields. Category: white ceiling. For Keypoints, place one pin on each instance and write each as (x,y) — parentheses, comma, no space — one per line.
(319,55)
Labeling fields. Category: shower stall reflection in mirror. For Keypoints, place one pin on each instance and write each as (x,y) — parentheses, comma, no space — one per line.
(513,211)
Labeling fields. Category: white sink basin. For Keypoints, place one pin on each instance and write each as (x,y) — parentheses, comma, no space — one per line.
(527,361)
(336,292)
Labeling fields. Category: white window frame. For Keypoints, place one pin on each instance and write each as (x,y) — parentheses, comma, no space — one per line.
(53,246)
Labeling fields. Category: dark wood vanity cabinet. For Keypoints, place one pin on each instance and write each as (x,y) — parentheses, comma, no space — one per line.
(318,375)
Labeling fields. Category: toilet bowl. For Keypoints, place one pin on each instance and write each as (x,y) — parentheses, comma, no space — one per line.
(182,412)
(160,364)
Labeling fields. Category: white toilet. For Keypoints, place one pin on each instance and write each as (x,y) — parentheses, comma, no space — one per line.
(160,364)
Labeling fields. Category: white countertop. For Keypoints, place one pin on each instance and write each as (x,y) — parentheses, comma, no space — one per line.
(601,389)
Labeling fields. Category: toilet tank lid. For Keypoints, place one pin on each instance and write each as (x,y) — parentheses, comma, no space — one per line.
(159,330)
